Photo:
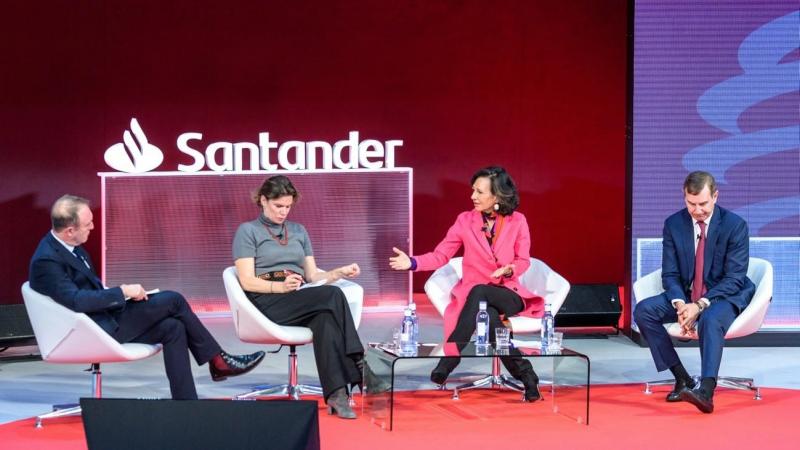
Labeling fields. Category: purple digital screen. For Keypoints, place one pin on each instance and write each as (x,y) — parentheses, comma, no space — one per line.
(717,88)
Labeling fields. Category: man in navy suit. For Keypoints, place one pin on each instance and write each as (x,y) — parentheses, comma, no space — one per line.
(62,269)
(704,273)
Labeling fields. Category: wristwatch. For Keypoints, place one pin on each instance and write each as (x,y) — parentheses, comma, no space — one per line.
(703,303)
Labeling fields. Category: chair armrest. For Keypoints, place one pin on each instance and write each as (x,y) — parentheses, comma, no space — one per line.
(648,286)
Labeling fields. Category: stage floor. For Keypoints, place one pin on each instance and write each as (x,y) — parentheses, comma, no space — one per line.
(30,387)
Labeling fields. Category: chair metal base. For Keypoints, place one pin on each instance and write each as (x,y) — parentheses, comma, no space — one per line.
(74,409)
(58,411)
(292,389)
(744,384)
(496,380)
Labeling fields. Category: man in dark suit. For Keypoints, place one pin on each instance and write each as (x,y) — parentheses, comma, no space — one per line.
(704,273)
(62,269)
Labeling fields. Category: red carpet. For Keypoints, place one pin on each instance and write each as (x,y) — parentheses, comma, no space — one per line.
(621,417)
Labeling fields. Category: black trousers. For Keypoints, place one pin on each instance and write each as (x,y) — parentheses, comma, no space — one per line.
(324,309)
(499,301)
(165,318)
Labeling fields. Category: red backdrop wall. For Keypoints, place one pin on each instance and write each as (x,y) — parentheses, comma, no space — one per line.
(538,87)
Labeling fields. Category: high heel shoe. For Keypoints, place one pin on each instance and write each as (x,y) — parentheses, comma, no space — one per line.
(531,382)
(339,403)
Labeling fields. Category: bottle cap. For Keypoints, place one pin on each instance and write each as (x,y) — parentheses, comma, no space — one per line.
(482,304)
(412,306)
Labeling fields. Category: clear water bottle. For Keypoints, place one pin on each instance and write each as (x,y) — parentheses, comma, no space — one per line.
(407,344)
(413,307)
(548,327)
(482,325)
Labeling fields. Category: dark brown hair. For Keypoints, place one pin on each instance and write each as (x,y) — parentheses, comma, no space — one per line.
(503,188)
(276,187)
(697,180)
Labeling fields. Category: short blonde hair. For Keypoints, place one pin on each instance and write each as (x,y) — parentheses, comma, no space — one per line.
(64,212)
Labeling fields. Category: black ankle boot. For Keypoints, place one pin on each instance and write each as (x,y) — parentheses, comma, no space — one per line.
(531,382)
(373,383)
(442,370)
(360,363)
(339,403)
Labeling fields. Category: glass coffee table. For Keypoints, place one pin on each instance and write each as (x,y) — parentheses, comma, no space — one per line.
(564,377)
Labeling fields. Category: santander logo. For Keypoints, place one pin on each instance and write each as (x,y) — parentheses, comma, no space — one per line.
(134,154)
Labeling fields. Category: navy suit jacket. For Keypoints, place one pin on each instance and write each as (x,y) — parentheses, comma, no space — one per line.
(59,274)
(726,257)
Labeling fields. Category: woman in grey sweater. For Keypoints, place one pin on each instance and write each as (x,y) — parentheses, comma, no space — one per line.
(273,258)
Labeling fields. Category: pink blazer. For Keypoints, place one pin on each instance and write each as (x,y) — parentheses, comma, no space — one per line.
(480,260)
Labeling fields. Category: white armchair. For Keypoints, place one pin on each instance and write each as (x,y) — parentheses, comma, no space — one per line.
(748,322)
(66,336)
(540,279)
(253,326)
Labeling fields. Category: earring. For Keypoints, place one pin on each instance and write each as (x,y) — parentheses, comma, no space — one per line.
(497,206)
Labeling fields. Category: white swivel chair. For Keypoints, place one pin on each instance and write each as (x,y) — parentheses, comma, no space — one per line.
(540,279)
(748,322)
(65,336)
(254,327)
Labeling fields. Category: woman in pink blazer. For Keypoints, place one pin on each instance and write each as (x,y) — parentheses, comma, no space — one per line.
(496,243)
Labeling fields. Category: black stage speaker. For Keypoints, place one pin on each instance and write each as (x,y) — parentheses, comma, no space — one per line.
(15,327)
(121,424)
(590,305)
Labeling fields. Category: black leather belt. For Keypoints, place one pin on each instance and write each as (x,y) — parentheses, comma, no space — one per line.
(278,275)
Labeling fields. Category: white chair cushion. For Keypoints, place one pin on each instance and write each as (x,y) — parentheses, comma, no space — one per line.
(539,279)
(253,326)
(748,322)
(65,336)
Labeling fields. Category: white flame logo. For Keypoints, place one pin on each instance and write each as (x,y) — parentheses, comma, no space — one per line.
(134,156)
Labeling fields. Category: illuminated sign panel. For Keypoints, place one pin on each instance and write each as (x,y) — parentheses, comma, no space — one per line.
(137,155)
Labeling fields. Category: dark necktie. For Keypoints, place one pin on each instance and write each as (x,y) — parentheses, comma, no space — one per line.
(81,258)
(698,287)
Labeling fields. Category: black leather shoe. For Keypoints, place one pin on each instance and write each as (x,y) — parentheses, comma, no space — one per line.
(699,398)
(225,365)
(531,383)
(675,394)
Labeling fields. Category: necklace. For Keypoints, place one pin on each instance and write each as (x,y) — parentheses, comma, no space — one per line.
(284,232)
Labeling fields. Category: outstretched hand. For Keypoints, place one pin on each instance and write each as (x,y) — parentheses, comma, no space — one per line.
(400,260)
